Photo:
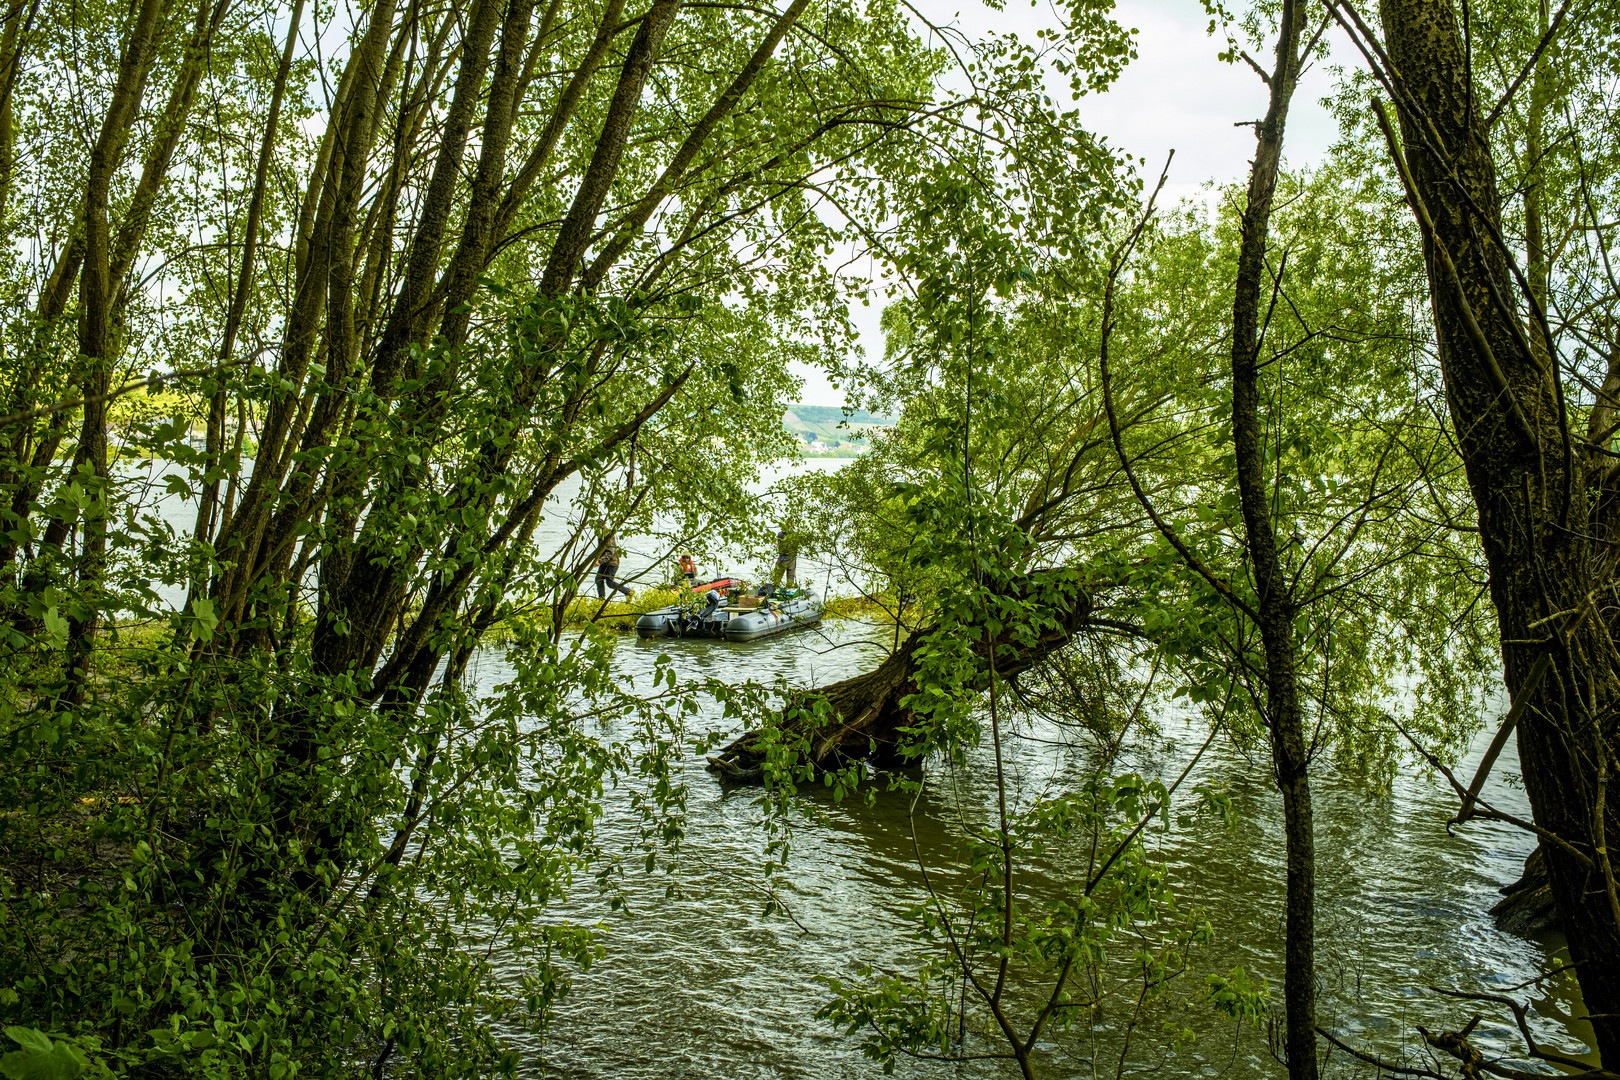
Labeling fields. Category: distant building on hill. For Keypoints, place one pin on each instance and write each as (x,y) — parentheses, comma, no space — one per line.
(829,429)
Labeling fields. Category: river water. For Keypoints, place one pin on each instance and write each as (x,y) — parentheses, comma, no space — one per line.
(708,985)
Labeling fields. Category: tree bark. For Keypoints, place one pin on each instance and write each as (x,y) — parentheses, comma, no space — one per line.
(18,21)
(567,104)
(171,125)
(346,149)
(407,324)
(629,227)
(361,597)
(580,223)
(96,287)
(1546,516)
(461,278)
(215,447)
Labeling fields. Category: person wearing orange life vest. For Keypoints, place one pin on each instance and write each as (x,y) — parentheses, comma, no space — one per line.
(688,570)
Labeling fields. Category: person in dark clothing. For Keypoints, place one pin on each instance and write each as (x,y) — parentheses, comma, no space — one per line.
(787,560)
(607,568)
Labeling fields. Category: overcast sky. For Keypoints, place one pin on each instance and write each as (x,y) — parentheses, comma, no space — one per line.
(1176,95)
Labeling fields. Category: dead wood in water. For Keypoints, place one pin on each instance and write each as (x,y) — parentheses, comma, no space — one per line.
(865,716)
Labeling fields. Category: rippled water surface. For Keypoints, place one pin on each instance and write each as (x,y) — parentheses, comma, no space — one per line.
(707,985)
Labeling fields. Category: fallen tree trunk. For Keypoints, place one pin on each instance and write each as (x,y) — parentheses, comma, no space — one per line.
(866,716)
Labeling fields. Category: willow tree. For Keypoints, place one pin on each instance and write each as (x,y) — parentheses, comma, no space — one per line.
(1004,468)
(518,243)
(1528,357)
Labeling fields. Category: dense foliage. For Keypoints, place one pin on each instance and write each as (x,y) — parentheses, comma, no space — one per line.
(374,295)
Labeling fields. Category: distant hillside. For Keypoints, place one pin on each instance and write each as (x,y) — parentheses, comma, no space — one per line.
(832,414)
(828,426)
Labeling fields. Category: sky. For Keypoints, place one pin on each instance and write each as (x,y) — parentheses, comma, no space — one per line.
(1175,95)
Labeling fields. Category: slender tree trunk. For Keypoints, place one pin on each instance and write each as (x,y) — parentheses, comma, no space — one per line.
(208,500)
(1546,515)
(1537,270)
(309,489)
(1277,607)
(170,126)
(95,323)
(567,103)
(461,278)
(19,20)
(580,222)
(362,594)
(16,442)
(407,324)
(346,148)
(629,227)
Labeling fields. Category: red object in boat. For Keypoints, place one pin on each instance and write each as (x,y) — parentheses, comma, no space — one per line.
(723,584)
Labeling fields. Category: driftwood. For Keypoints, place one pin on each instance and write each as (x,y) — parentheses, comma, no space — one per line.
(868,717)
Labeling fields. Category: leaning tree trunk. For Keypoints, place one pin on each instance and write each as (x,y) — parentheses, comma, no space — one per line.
(866,716)
(1545,509)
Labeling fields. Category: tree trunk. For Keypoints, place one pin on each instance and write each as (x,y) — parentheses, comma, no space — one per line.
(1277,606)
(170,126)
(567,104)
(408,323)
(96,287)
(1527,908)
(868,712)
(208,500)
(1545,521)
(630,226)
(364,591)
(340,173)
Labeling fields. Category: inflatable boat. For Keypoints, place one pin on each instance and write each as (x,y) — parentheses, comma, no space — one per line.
(733,617)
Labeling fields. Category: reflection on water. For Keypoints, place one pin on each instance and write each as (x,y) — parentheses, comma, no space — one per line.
(705,985)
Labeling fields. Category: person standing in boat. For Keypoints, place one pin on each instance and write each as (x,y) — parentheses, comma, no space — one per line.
(688,570)
(607,567)
(787,560)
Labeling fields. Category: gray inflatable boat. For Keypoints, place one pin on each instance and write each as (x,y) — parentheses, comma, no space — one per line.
(735,618)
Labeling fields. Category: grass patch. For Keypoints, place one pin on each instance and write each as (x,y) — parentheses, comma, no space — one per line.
(617,614)
(880,607)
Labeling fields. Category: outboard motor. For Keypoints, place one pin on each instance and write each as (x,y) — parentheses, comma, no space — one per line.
(711,608)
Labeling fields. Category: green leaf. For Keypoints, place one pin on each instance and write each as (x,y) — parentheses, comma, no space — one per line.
(203,608)
(57,628)
(30,1039)
(40,1059)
